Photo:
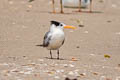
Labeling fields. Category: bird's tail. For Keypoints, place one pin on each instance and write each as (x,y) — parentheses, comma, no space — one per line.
(41,45)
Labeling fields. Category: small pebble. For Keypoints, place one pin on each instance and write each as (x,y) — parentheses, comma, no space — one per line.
(82,74)
(92,54)
(118,78)
(30,6)
(74,59)
(6,71)
(76,70)
(64,75)
(78,47)
(118,65)
(45,64)
(50,72)
(114,5)
(10,2)
(65,65)
(27,10)
(4,64)
(23,26)
(101,1)
(85,31)
(71,31)
(95,73)
(62,71)
(31,0)
(109,21)
(24,56)
(118,33)
(76,74)
(56,64)
(13,23)
(58,71)
(15,71)
(21,72)
(71,73)
(108,79)
(41,60)
(31,64)
(81,25)
(107,56)
(57,77)
(102,78)
(78,21)
(71,65)
(28,72)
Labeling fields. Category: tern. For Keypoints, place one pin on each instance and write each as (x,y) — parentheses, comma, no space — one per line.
(55,37)
(80,2)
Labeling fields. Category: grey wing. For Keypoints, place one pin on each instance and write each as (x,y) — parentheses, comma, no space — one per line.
(47,39)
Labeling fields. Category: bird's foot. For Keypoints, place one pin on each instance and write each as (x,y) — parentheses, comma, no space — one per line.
(51,58)
(58,58)
(61,12)
(54,12)
(89,11)
(78,11)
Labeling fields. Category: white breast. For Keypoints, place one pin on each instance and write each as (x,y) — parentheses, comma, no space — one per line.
(56,40)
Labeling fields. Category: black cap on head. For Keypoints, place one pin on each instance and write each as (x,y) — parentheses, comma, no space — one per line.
(55,23)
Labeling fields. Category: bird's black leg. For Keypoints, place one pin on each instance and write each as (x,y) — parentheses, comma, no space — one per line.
(51,54)
(58,54)
(90,6)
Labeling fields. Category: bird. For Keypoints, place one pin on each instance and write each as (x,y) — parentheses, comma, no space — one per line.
(55,37)
(80,4)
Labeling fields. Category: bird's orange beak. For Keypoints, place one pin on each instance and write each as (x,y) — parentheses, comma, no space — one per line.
(69,27)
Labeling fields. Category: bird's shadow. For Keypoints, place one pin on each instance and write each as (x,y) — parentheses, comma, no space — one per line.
(73,12)
(54,58)
(65,13)
(87,11)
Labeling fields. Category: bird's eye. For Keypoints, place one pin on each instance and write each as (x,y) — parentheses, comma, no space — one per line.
(61,25)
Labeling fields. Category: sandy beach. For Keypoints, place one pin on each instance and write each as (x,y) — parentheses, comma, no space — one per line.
(90,52)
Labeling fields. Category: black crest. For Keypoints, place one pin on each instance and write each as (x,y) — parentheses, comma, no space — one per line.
(55,23)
